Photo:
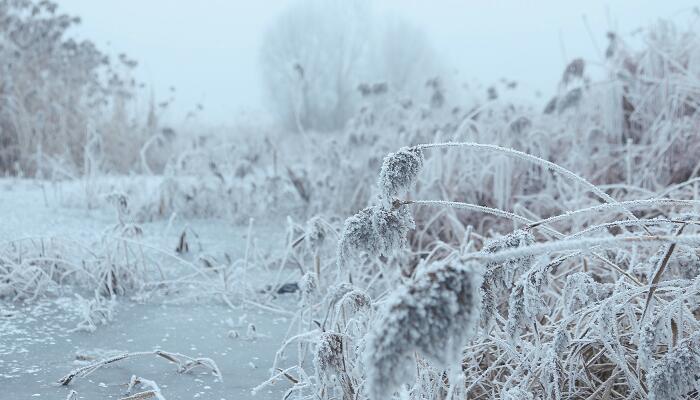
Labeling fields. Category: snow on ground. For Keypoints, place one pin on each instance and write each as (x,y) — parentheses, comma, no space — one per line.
(37,346)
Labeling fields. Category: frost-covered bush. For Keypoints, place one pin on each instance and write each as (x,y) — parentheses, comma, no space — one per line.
(54,93)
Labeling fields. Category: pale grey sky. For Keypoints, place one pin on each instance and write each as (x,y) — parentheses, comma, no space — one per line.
(208,49)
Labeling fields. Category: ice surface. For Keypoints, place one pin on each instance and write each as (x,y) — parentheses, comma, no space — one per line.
(37,347)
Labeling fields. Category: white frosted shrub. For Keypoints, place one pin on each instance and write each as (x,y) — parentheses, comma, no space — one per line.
(433,316)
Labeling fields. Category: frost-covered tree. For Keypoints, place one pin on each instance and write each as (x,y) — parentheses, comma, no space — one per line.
(318,52)
(51,86)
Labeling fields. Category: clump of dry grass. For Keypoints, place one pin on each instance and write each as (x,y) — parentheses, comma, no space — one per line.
(568,320)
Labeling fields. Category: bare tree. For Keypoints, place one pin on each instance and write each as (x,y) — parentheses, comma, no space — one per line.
(317,52)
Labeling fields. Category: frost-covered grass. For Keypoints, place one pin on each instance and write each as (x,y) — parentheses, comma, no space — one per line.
(567,312)
(584,244)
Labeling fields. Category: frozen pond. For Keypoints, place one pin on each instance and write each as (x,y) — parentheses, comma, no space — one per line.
(37,348)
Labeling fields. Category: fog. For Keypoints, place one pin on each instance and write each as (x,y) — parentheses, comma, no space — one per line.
(210,50)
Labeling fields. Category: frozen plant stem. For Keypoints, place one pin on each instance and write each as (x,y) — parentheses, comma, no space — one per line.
(184,364)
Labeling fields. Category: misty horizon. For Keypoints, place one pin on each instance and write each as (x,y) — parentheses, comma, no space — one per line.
(209,52)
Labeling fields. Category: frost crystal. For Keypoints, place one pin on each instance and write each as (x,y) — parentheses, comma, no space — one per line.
(374,231)
(399,172)
(433,315)
(676,373)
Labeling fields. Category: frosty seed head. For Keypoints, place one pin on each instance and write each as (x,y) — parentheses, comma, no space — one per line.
(550,378)
(434,315)
(392,228)
(355,301)
(308,288)
(328,358)
(654,332)
(359,236)
(336,292)
(315,233)
(574,70)
(374,231)
(515,239)
(561,341)
(399,172)
(507,270)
